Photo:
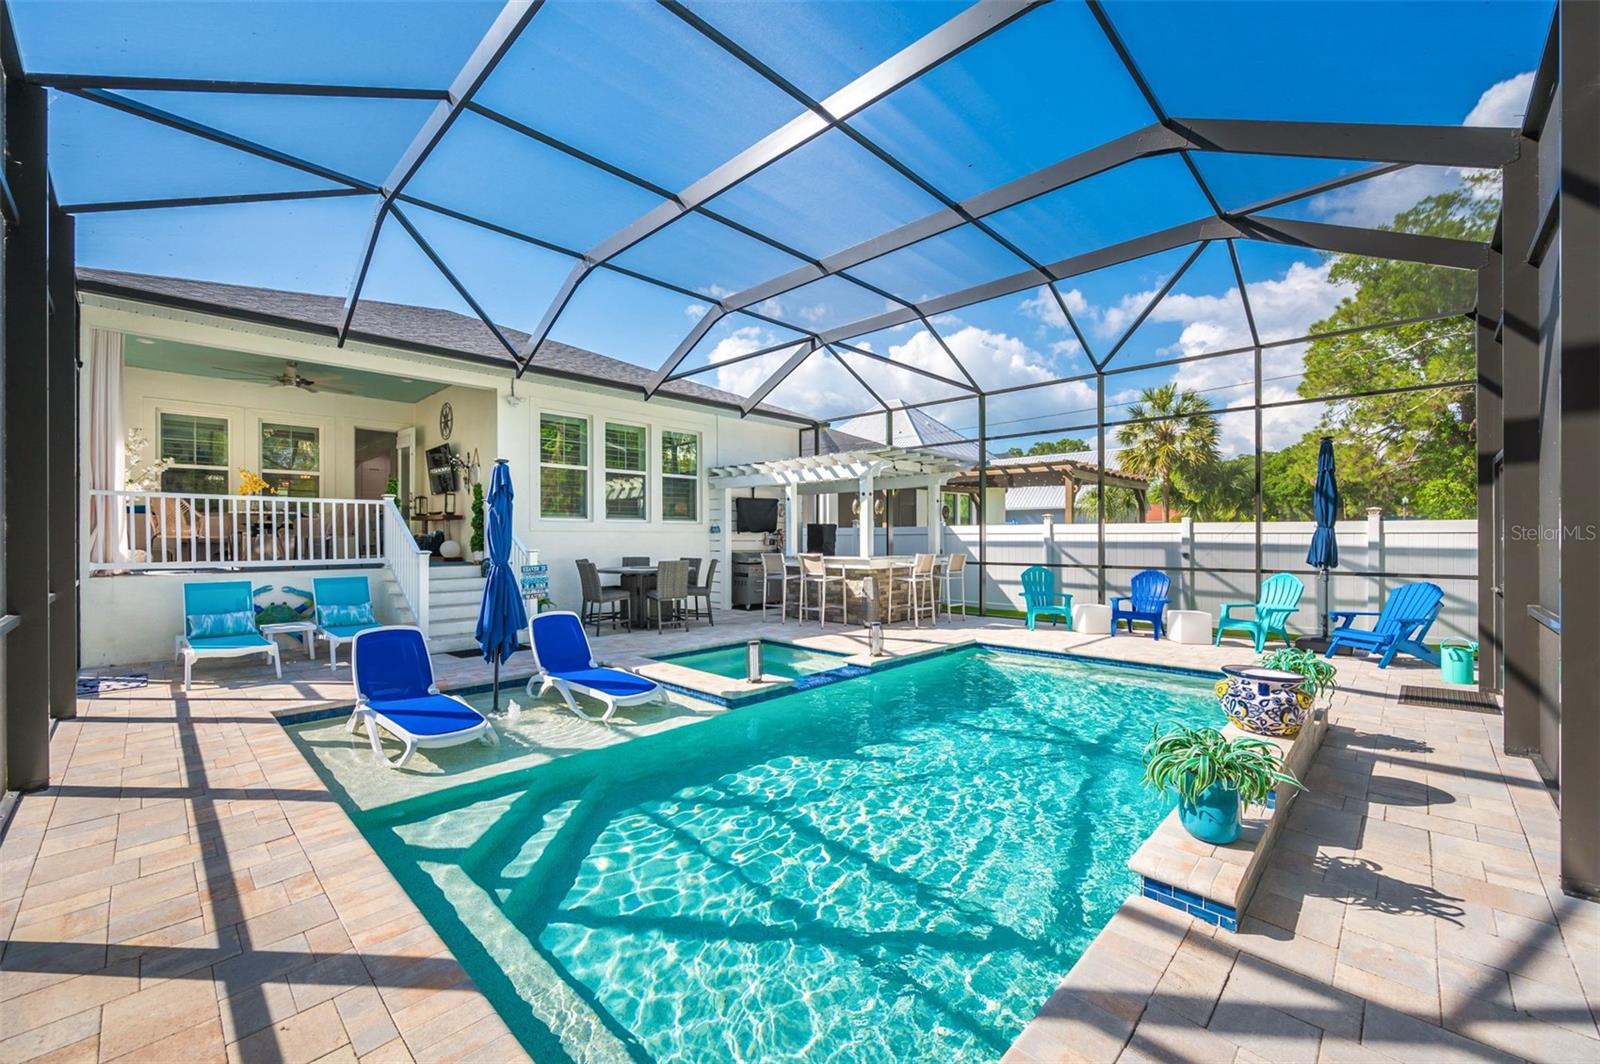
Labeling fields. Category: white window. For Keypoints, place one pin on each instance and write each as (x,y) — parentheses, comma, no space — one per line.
(198,448)
(680,476)
(291,459)
(627,450)
(563,466)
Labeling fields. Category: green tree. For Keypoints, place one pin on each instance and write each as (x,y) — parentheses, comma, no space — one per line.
(1225,491)
(1177,451)
(1122,504)
(1065,445)
(1406,450)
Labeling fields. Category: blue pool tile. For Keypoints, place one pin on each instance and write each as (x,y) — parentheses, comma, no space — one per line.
(1212,912)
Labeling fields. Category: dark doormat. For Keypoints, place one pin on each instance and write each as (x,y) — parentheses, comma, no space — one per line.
(1448,698)
(95,685)
(476,653)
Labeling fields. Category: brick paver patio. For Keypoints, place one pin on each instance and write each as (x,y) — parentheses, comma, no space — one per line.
(189,890)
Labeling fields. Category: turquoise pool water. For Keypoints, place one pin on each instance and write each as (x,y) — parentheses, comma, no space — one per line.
(783,660)
(900,866)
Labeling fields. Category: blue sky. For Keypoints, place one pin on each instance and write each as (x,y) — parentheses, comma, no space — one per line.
(632,85)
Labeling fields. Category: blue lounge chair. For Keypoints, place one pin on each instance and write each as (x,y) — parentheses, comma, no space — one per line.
(1280,597)
(395,691)
(1401,625)
(219,621)
(1148,602)
(565,663)
(344,610)
(1039,595)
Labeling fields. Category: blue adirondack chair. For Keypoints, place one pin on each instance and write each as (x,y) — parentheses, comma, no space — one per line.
(1280,597)
(1401,625)
(1039,594)
(1147,603)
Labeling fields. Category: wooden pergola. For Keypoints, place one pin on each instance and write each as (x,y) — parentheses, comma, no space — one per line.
(1048,470)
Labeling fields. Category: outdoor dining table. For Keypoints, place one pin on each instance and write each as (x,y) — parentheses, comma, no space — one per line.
(637,580)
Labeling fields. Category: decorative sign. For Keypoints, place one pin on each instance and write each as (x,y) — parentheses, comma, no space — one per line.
(535,580)
(447,421)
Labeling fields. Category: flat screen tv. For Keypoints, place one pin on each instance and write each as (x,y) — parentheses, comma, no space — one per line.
(755,515)
(442,477)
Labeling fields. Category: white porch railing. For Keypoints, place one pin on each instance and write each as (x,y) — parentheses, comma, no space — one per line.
(407,561)
(132,531)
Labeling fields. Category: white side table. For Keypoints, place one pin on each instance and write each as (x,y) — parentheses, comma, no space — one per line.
(1190,627)
(306,630)
(1091,618)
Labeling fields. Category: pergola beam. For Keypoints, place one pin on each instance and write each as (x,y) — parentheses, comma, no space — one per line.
(492,47)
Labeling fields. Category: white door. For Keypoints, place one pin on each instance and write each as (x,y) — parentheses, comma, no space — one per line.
(405,445)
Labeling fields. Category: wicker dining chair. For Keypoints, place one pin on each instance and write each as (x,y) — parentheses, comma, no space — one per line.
(671,590)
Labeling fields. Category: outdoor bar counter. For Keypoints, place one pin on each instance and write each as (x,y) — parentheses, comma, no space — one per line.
(866,582)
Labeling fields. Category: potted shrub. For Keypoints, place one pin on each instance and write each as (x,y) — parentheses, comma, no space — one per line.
(1212,775)
(477,524)
(1318,675)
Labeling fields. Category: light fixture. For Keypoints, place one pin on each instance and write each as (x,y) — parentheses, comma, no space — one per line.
(143,340)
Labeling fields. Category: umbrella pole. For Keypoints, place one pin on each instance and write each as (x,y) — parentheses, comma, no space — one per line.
(494,703)
(1325,602)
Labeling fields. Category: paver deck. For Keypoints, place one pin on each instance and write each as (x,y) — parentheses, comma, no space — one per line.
(188,889)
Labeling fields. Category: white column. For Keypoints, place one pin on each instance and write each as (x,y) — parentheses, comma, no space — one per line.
(791,519)
(865,522)
(726,540)
(935,519)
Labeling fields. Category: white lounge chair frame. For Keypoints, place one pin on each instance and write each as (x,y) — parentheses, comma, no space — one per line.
(188,653)
(372,719)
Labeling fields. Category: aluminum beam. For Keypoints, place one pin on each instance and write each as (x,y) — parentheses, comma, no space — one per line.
(790,364)
(1378,243)
(1478,147)
(106,206)
(122,83)
(495,43)
(62,499)
(1579,338)
(968,27)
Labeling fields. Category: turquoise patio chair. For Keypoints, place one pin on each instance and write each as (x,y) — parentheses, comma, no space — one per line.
(1040,596)
(1148,602)
(1401,625)
(1280,597)
(219,621)
(344,610)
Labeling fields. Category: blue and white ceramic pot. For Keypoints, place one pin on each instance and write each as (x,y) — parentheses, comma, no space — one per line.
(1264,701)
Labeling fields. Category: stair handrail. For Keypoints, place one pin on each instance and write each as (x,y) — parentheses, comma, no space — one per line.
(407,561)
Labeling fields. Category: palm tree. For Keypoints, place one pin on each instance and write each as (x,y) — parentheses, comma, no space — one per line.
(1182,443)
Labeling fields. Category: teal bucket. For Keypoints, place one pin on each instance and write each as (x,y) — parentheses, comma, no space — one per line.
(1457,657)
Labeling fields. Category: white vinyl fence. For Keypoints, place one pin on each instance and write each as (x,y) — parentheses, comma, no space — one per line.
(1211,563)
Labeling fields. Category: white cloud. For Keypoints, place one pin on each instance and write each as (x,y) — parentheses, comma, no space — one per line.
(695,311)
(1504,103)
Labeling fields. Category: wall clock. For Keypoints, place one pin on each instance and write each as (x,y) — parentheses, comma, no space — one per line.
(447,421)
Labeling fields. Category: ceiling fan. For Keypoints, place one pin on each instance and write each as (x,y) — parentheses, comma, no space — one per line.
(289,378)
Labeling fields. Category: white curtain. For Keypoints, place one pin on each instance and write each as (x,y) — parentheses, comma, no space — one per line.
(107,447)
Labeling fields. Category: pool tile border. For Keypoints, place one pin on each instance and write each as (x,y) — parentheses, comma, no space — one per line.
(1215,913)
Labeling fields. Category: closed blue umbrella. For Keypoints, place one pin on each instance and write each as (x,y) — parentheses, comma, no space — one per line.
(1324,552)
(501,618)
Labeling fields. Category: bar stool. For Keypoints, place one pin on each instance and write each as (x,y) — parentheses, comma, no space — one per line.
(955,573)
(773,567)
(919,580)
(814,573)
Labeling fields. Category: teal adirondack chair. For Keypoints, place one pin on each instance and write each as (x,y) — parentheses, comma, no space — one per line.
(1039,594)
(1280,597)
(1401,625)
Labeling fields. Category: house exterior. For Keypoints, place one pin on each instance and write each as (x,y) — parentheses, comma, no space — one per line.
(225,383)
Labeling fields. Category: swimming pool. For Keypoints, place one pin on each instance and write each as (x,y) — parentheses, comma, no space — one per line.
(783,660)
(898,866)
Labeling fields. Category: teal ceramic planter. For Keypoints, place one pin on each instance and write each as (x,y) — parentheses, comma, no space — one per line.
(1213,816)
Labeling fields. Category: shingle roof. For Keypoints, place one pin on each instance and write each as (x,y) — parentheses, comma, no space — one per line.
(427,329)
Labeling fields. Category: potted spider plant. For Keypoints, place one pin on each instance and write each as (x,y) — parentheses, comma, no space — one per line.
(1212,776)
(1318,675)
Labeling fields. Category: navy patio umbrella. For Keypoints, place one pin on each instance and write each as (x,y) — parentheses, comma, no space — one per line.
(1324,552)
(501,618)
